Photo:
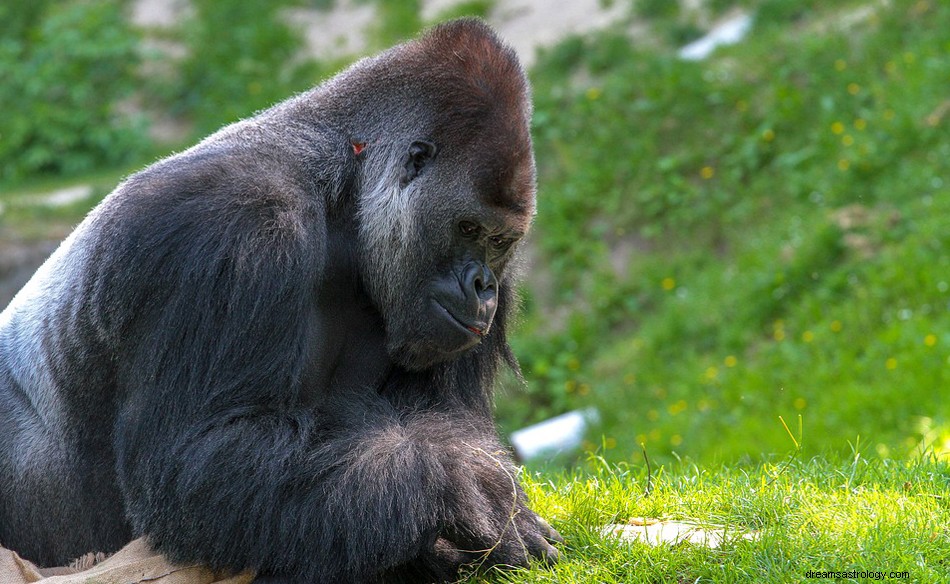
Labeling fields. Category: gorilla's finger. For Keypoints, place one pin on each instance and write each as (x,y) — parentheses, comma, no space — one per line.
(549,532)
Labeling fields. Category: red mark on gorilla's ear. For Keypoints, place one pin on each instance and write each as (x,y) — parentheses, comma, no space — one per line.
(358,146)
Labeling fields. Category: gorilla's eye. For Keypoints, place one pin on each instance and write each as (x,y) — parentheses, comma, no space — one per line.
(468,229)
(499,243)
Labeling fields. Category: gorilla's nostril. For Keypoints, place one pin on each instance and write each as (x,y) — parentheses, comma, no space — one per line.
(477,280)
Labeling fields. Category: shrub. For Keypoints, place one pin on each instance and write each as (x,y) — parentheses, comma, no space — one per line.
(241,57)
(65,66)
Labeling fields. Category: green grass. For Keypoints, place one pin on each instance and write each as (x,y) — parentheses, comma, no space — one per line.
(850,515)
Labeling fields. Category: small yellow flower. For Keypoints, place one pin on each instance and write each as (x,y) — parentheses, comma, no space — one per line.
(841,65)
(860,124)
(711,374)
(593,94)
(930,340)
(768,135)
(854,88)
(730,361)
(668,284)
(641,438)
(677,408)
(778,330)
(808,336)
(844,164)
(570,385)
(799,403)
(610,442)
(837,128)
(836,326)
(890,67)
(707,172)
(891,363)
(583,389)
(676,440)
(847,140)
(573,364)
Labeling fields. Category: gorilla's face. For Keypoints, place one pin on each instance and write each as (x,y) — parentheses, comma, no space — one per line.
(438,264)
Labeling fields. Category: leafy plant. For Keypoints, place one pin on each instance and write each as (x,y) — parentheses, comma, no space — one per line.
(241,57)
(67,68)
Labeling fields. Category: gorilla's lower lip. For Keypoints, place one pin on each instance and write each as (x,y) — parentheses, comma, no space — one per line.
(469,328)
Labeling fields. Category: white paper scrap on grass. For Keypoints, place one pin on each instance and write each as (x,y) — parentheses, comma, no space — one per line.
(659,531)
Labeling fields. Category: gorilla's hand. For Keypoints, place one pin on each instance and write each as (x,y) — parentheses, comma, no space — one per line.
(530,538)
(492,524)
(526,537)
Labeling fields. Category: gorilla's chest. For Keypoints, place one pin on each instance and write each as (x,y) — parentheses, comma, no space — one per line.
(347,347)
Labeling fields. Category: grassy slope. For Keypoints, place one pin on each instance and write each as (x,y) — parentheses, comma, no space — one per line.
(758,235)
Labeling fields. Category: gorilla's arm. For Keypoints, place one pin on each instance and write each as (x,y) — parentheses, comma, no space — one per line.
(218,458)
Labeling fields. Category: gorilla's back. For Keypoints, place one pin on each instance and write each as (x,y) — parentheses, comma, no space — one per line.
(57,471)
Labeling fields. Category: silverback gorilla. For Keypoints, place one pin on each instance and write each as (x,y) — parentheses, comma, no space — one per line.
(276,349)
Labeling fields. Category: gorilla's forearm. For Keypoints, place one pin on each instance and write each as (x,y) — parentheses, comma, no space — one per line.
(354,491)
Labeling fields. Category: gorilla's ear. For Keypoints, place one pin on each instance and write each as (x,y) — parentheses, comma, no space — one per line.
(420,153)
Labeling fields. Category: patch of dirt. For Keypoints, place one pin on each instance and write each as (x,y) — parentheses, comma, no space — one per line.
(342,30)
(531,24)
(336,33)
(158,13)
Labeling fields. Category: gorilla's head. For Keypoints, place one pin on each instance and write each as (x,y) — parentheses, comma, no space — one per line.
(447,187)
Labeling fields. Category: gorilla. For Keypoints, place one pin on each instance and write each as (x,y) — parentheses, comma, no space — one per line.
(276,350)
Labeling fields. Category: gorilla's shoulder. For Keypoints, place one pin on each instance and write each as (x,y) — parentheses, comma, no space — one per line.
(217,182)
(210,205)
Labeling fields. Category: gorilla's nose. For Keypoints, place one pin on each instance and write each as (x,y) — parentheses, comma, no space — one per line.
(481,294)
(479,281)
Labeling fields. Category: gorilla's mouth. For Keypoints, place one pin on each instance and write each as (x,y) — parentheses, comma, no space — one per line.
(475,329)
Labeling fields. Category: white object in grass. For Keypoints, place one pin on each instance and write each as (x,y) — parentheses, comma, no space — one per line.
(562,433)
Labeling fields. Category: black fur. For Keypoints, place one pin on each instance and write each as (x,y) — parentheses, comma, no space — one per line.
(276,349)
